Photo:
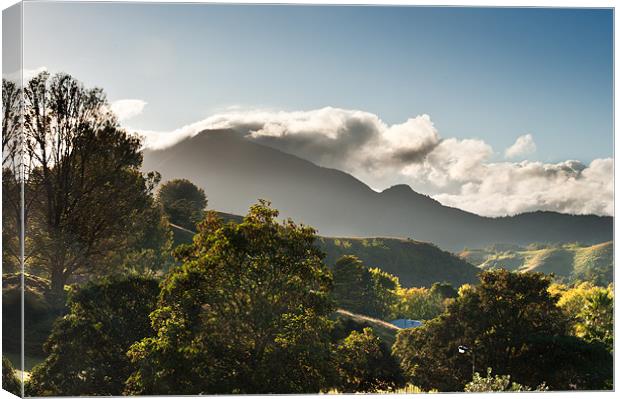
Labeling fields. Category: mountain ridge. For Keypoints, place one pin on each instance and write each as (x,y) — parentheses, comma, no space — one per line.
(235,172)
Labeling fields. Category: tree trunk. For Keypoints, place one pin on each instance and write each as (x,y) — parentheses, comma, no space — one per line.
(57,291)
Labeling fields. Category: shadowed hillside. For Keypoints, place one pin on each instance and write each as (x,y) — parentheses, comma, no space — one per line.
(235,172)
(416,264)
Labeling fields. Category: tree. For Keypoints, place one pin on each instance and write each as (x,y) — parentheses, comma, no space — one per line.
(418,304)
(590,309)
(183,202)
(365,364)
(84,179)
(245,312)
(511,323)
(497,383)
(598,318)
(11,177)
(362,290)
(10,382)
(87,347)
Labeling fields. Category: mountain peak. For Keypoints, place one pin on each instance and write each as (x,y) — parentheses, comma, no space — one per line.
(399,188)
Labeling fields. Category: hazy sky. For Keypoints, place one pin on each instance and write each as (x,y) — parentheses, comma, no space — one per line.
(529,84)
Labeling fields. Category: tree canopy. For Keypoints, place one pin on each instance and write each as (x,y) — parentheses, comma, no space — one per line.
(183,202)
(511,323)
(246,312)
(87,347)
(85,192)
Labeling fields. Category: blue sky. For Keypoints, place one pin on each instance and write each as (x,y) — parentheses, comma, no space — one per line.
(493,74)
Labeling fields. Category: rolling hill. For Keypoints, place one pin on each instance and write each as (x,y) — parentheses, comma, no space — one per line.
(235,172)
(415,263)
(568,262)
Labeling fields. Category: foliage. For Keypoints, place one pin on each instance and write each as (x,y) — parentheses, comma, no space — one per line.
(10,382)
(418,304)
(246,312)
(598,318)
(512,323)
(87,348)
(358,289)
(497,383)
(39,314)
(85,188)
(590,308)
(11,180)
(365,364)
(415,263)
(183,202)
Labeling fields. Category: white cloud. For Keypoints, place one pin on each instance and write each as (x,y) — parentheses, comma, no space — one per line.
(524,145)
(456,172)
(127,108)
(26,73)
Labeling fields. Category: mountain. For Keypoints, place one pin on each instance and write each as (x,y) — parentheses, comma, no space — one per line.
(568,261)
(235,172)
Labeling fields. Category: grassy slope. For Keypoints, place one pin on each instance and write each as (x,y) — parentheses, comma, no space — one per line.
(415,263)
(569,260)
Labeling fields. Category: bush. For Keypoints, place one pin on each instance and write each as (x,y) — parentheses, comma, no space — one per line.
(497,383)
(10,382)
(365,364)
(87,347)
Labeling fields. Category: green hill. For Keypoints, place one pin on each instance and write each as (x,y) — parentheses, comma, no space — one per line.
(415,263)
(568,261)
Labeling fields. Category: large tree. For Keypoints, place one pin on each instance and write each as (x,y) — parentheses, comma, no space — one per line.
(362,290)
(87,350)
(11,176)
(183,202)
(84,179)
(511,323)
(246,312)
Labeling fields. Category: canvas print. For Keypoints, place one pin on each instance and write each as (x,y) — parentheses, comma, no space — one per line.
(206,199)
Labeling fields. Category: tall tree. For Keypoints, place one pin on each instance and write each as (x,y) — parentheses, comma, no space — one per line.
(362,290)
(183,202)
(84,178)
(246,312)
(11,176)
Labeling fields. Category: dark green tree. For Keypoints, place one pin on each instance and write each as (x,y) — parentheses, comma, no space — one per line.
(246,312)
(10,382)
(83,179)
(183,202)
(362,290)
(87,350)
(512,324)
(365,364)
(445,290)
(352,284)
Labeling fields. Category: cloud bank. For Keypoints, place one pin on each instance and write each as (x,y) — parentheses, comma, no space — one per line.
(456,172)
(127,108)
